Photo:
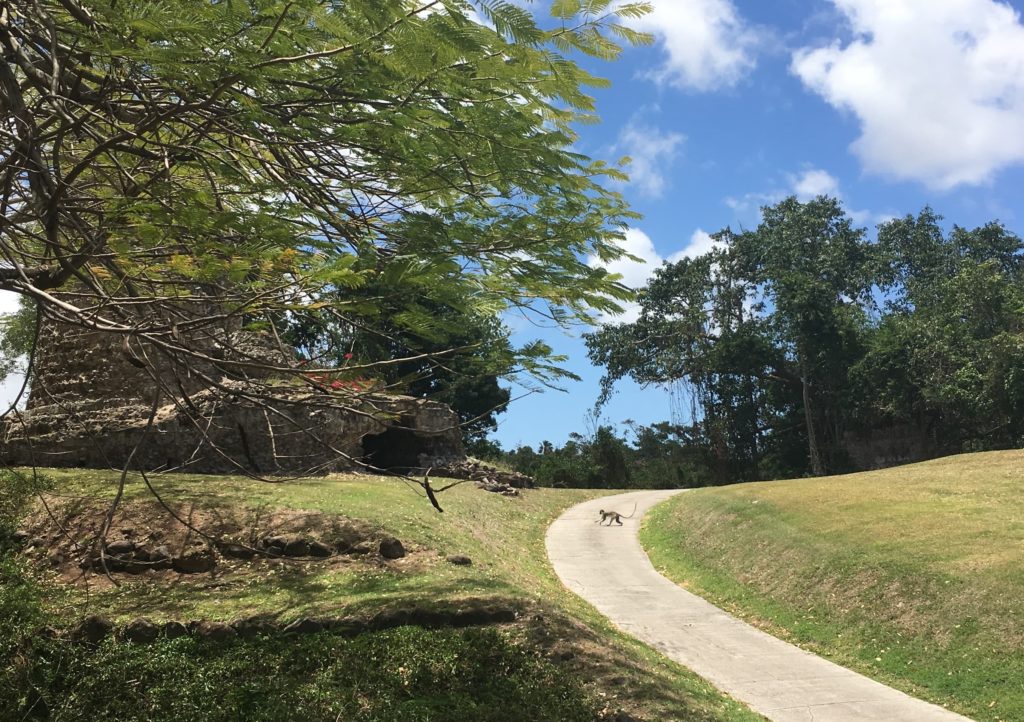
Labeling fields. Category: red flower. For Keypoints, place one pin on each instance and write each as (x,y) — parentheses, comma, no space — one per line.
(348,356)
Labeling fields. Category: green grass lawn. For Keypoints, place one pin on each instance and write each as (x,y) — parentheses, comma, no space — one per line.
(503,536)
(912,575)
(562,656)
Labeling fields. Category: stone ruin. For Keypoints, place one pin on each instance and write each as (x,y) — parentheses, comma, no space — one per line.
(91,398)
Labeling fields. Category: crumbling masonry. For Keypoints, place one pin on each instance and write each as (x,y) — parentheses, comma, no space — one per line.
(91,398)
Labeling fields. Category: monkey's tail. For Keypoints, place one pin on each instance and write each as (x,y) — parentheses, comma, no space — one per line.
(631,513)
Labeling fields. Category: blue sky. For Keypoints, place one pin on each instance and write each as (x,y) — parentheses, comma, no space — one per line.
(889,104)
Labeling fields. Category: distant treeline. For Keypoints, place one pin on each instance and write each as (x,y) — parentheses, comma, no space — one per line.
(647,457)
(809,348)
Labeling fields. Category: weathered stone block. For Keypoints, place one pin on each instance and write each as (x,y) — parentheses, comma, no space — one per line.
(93,629)
(391,548)
(141,631)
(195,562)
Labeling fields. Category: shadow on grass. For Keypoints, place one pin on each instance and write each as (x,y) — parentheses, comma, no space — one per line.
(657,687)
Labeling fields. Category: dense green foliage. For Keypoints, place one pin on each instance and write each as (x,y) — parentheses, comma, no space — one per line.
(408,674)
(458,360)
(16,490)
(20,604)
(661,456)
(17,336)
(809,347)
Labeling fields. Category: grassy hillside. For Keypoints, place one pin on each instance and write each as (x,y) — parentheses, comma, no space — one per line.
(912,575)
(558,661)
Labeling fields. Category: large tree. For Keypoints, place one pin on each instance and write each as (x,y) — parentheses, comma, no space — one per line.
(697,326)
(810,348)
(280,156)
(814,269)
(948,357)
(774,310)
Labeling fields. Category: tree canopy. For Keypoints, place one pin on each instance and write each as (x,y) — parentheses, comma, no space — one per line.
(386,169)
(810,348)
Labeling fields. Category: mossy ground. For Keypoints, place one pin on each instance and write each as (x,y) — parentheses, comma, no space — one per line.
(912,575)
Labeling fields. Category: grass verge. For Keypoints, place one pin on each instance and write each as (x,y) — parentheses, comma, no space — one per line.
(912,575)
(562,658)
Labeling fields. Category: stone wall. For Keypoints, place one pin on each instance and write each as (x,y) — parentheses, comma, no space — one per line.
(75,365)
(89,406)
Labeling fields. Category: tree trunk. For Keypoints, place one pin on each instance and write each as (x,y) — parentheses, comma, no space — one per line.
(812,433)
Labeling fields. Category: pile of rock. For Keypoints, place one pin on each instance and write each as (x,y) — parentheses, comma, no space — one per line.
(486,476)
(299,546)
(289,545)
(497,487)
(133,557)
(25,539)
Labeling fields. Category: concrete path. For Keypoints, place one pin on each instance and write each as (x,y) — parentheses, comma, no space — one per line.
(608,568)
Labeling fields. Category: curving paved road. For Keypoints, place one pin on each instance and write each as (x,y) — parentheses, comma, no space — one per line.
(608,568)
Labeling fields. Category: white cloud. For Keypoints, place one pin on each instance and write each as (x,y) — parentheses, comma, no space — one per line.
(814,182)
(937,85)
(636,274)
(706,42)
(860,217)
(748,206)
(700,243)
(652,152)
